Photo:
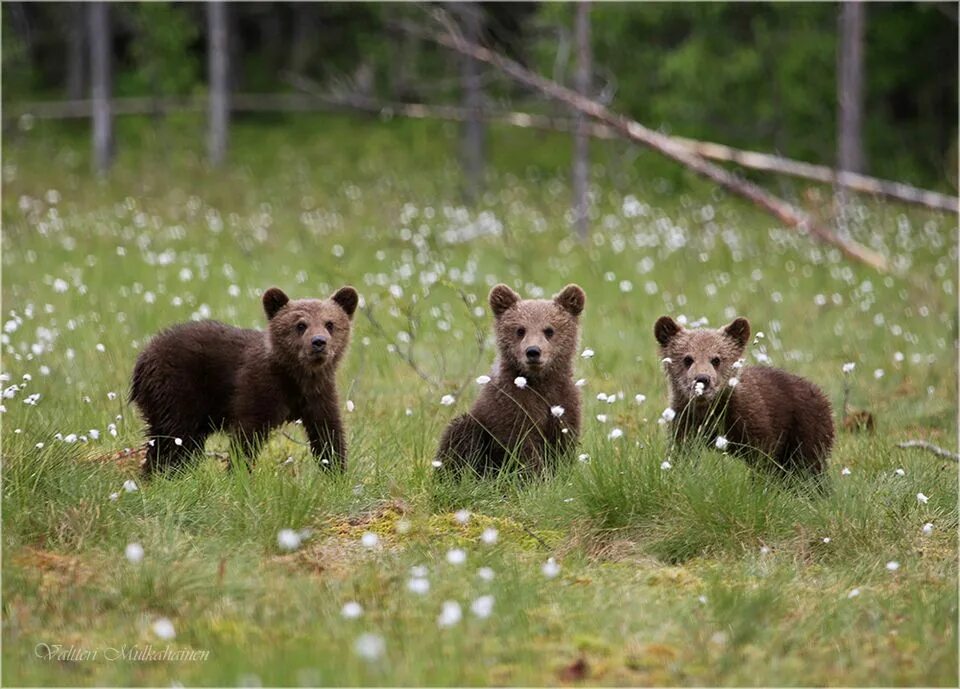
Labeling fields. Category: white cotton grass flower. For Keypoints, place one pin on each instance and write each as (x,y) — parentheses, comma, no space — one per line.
(134,553)
(486,573)
(845,471)
(853,593)
(639,399)
(826,539)
(665,465)
(666,361)
(899,472)
(418,585)
(738,364)
(615,434)
(114,497)
(178,441)
(462,516)
(721,443)
(583,458)
(764,550)
(668,414)
(350,406)
(482,606)
(436,464)
(550,568)
(557,411)
(447,400)
(698,389)
(893,566)
(602,418)
(580,382)
(288,539)
(927,529)
(922,499)
(848,367)
(130,486)
(369,539)
(587,353)
(369,646)
(351,610)
(878,373)
(490,535)
(733,382)
(483,380)
(450,614)
(520,382)
(456,556)
(163,628)
(602,396)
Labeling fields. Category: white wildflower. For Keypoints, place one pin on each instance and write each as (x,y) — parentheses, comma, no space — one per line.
(490,535)
(369,646)
(550,568)
(587,353)
(482,606)
(520,382)
(134,553)
(447,400)
(351,610)
(456,556)
(163,628)
(369,539)
(450,614)
(665,465)
(288,539)
(922,499)
(557,410)
(721,443)
(483,380)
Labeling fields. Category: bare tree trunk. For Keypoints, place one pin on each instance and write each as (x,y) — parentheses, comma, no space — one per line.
(581,139)
(218,62)
(850,87)
(474,131)
(98,15)
(76,47)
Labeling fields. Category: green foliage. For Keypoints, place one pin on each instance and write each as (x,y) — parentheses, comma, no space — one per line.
(163,60)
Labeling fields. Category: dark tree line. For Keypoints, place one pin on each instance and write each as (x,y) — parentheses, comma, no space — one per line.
(871,88)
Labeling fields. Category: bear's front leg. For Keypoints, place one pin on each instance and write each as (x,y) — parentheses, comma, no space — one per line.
(327,441)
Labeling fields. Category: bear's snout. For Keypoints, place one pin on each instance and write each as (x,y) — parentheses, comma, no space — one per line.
(319,343)
(533,354)
(702,380)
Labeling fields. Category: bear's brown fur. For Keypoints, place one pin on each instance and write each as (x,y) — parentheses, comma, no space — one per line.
(536,340)
(772,418)
(199,378)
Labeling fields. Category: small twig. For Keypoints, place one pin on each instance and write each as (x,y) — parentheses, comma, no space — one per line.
(930,447)
(534,536)
(368,312)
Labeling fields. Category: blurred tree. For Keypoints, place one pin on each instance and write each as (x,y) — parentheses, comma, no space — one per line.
(470,16)
(98,14)
(218,52)
(850,87)
(581,151)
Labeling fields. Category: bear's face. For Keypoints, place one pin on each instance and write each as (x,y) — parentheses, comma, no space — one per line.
(309,334)
(535,336)
(701,362)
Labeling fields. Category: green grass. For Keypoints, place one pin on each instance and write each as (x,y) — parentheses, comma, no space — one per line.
(700,574)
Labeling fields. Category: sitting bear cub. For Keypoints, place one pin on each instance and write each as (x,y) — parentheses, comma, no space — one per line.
(774,419)
(529,408)
(199,378)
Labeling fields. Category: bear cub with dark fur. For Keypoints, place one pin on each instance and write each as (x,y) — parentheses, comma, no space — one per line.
(199,378)
(774,419)
(536,423)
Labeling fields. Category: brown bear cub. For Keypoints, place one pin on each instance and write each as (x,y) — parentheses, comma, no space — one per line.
(529,410)
(199,378)
(775,420)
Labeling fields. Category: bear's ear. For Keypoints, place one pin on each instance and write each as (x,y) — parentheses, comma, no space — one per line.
(502,298)
(665,330)
(348,299)
(738,331)
(273,300)
(571,299)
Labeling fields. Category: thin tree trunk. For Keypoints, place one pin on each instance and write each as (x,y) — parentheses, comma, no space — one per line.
(474,130)
(218,61)
(850,87)
(98,15)
(581,139)
(76,47)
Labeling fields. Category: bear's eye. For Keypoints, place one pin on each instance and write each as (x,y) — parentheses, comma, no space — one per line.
(715,361)
(548,332)
(329,326)
(521,332)
(688,361)
(301,327)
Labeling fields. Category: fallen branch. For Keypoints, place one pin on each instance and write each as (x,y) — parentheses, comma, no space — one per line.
(313,99)
(930,447)
(784,211)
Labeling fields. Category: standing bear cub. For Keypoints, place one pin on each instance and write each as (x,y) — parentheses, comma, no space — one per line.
(775,420)
(199,378)
(529,410)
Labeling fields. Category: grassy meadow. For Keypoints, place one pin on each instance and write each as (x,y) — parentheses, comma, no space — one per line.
(617,570)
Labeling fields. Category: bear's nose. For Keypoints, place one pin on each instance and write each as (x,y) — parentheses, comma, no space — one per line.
(702,380)
(319,342)
(533,353)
